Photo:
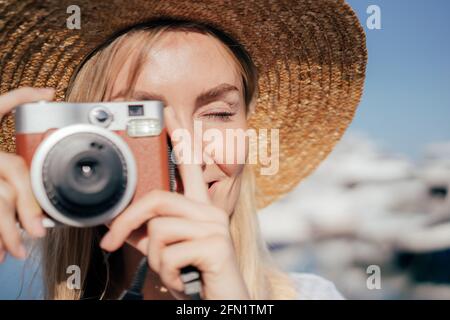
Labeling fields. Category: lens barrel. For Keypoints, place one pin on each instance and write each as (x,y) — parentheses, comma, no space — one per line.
(84,175)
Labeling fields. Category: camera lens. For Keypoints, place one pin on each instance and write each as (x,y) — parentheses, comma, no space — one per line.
(84,175)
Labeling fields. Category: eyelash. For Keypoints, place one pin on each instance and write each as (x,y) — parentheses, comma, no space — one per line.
(220,115)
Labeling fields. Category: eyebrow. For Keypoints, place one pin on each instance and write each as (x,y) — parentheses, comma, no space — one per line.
(203,98)
(214,94)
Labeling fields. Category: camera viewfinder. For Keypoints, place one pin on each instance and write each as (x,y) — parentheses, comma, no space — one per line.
(135,110)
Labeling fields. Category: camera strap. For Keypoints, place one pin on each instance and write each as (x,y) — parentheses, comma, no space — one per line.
(134,292)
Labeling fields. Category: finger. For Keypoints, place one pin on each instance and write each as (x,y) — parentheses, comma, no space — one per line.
(9,232)
(7,193)
(164,231)
(194,185)
(15,172)
(139,239)
(175,257)
(22,95)
(191,174)
(211,257)
(2,251)
(157,203)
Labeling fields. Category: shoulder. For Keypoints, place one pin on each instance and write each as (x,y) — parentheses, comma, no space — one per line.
(313,287)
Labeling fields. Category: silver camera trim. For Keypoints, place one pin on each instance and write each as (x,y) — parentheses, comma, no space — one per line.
(38,184)
(38,117)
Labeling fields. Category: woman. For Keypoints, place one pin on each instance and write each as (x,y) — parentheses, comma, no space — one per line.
(295,67)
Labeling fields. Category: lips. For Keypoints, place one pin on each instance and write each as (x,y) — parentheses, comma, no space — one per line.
(212,186)
(179,184)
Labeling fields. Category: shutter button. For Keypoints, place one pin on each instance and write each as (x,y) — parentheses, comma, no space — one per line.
(100,116)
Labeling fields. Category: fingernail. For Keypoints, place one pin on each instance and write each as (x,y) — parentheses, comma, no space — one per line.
(107,238)
(39,227)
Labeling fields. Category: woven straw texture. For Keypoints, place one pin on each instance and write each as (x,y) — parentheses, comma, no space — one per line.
(311,57)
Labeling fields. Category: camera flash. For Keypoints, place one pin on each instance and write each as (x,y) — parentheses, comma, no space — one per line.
(143,127)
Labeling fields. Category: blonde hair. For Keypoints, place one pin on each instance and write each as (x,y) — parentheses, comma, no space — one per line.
(74,246)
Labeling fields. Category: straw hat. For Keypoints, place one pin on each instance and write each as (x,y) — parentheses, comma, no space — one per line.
(310,55)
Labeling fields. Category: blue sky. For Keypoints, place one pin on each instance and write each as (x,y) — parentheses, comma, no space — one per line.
(406,103)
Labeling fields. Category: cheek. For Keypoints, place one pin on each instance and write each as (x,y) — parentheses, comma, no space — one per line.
(227,144)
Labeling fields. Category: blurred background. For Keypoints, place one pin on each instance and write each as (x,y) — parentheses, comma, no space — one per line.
(381,198)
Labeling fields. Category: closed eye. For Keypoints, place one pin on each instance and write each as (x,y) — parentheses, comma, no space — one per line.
(225,116)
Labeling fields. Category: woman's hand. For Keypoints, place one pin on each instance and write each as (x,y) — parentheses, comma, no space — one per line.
(17,202)
(182,230)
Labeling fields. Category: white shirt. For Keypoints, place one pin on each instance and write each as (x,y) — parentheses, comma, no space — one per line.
(313,287)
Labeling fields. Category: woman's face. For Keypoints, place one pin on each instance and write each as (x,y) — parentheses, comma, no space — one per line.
(194,74)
